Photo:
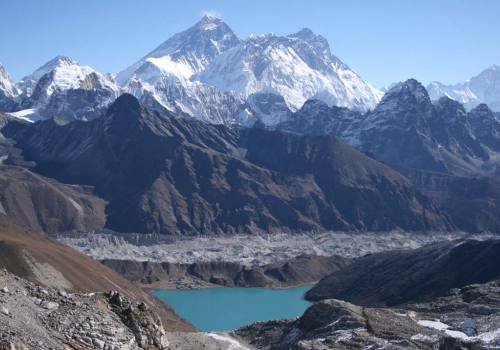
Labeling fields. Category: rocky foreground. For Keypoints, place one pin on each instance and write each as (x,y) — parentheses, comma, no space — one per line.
(34,317)
(468,318)
(42,318)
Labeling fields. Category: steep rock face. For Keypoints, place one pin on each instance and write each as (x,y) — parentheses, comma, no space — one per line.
(168,93)
(407,131)
(367,194)
(483,88)
(486,127)
(8,91)
(398,277)
(268,108)
(174,175)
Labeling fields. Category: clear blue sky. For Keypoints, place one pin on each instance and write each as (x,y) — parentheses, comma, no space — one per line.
(383,40)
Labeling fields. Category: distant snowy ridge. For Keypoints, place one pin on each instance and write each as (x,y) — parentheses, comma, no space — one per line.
(298,67)
(483,88)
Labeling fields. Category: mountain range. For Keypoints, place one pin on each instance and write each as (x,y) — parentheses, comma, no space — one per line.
(205,71)
(210,73)
(213,133)
(161,173)
(209,136)
(407,130)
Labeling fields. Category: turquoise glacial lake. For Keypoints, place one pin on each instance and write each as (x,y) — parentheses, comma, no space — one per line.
(224,309)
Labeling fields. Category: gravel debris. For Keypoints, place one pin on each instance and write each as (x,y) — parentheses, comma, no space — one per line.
(250,250)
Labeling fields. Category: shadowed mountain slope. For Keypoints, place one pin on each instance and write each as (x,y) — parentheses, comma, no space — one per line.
(161,173)
(398,277)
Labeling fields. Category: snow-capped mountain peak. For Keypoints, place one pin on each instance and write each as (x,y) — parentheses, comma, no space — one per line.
(27,84)
(63,73)
(210,23)
(196,69)
(65,89)
(184,54)
(298,67)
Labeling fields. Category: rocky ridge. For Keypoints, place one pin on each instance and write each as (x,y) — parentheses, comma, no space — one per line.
(409,131)
(302,269)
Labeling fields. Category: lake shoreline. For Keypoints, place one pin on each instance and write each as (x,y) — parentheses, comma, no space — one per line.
(298,271)
(226,309)
(150,290)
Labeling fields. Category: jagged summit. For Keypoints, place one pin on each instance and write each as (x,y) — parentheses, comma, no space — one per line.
(313,39)
(62,73)
(308,34)
(407,94)
(409,87)
(447,105)
(304,33)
